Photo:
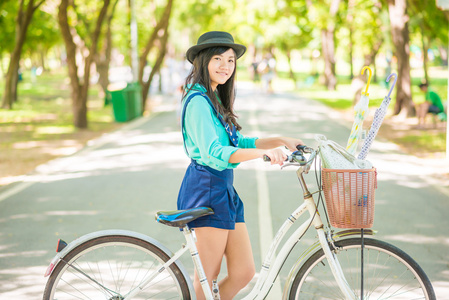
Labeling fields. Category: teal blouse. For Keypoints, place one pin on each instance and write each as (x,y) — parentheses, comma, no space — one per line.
(205,138)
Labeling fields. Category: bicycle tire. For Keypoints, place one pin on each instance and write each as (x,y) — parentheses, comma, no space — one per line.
(115,265)
(389,273)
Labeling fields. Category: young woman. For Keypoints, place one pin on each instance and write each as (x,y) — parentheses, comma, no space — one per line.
(213,141)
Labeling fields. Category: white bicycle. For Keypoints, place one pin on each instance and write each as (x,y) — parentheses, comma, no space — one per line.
(118,265)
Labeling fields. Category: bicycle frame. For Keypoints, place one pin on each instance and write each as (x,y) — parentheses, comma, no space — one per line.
(272,262)
(268,273)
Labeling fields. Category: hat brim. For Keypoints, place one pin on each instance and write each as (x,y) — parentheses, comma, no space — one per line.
(194,50)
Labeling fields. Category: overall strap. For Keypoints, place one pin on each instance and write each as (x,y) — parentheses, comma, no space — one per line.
(232,131)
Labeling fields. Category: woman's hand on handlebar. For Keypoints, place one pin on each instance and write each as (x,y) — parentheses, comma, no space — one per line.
(277,156)
(292,143)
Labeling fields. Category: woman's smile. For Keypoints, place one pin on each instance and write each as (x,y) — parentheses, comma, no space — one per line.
(221,67)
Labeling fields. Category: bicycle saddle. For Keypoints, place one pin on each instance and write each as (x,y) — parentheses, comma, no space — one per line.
(179,218)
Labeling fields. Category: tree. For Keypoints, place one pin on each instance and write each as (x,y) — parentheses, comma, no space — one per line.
(103,57)
(158,38)
(324,14)
(8,12)
(429,24)
(24,16)
(43,34)
(400,35)
(367,17)
(76,31)
(297,31)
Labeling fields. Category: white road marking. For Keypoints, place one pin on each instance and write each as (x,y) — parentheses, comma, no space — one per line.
(264,211)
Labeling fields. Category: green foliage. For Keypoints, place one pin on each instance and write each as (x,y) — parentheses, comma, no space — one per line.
(44,111)
(43,33)
(428,19)
(8,14)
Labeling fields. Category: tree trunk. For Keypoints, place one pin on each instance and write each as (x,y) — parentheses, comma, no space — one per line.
(289,60)
(79,88)
(103,59)
(400,35)
(24,17)
(358,82)
(157,66)
(351,55)
(425,48)
(2,69)
(160,32)
(443,54)
(328,47)
(350,20)
(42,56)
(327,42)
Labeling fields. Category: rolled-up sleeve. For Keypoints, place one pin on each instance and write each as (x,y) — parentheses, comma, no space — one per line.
(246,142)
(202,130)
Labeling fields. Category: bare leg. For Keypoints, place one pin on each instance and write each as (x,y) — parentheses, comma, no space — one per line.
(239,261)
(421,113)
(211,245)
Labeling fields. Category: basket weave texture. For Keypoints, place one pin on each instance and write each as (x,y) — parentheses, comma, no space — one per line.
(349,197)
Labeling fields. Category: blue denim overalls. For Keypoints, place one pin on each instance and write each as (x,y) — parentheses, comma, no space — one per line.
(205,186)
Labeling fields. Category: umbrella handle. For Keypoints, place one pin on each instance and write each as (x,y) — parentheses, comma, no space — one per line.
(394,83)
(369,79)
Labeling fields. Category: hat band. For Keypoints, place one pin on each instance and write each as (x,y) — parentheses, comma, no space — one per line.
(217,41)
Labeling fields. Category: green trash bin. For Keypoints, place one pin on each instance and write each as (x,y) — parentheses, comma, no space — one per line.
(127,103)
(134,91)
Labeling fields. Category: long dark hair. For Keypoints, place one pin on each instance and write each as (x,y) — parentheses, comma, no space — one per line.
(226,92)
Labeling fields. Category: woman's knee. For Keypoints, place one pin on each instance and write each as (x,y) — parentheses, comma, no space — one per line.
(243,275)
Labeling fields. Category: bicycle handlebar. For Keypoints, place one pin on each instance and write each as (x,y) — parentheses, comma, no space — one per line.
(298,157)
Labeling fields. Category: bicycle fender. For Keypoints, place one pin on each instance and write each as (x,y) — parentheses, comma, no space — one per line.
(299,262)
(85,238)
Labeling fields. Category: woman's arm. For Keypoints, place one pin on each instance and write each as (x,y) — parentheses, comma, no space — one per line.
(274,142)
(277,156)
(268,147)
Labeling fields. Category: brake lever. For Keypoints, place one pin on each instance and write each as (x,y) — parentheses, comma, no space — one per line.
(289,164)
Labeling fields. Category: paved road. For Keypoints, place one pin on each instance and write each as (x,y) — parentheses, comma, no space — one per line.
(123,178)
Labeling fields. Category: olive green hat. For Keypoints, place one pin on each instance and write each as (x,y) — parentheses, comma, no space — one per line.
(213,39)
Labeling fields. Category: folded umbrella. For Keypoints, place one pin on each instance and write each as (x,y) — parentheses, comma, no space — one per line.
(361,111)
(377,121)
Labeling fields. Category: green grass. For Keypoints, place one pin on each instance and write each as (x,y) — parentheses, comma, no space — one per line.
(39,127)
(425,142)
(342,99)
(47,102)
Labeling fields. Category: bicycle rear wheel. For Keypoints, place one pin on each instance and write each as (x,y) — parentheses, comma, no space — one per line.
(109,267)
(389,273)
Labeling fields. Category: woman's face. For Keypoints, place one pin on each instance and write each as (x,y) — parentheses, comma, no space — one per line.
(221,67)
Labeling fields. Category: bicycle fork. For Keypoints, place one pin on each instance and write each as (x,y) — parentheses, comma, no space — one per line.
(331,258)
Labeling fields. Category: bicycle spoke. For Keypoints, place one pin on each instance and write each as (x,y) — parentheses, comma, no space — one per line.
(92,272)
(389,274)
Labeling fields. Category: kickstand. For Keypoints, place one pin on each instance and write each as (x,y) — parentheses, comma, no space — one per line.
(361,269)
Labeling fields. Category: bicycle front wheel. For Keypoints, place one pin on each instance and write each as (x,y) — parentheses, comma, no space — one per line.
(109,267)
(389,273)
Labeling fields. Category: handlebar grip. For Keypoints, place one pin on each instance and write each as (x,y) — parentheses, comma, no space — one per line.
(268,159)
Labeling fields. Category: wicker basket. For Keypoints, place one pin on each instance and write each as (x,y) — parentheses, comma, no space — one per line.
(349,197)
